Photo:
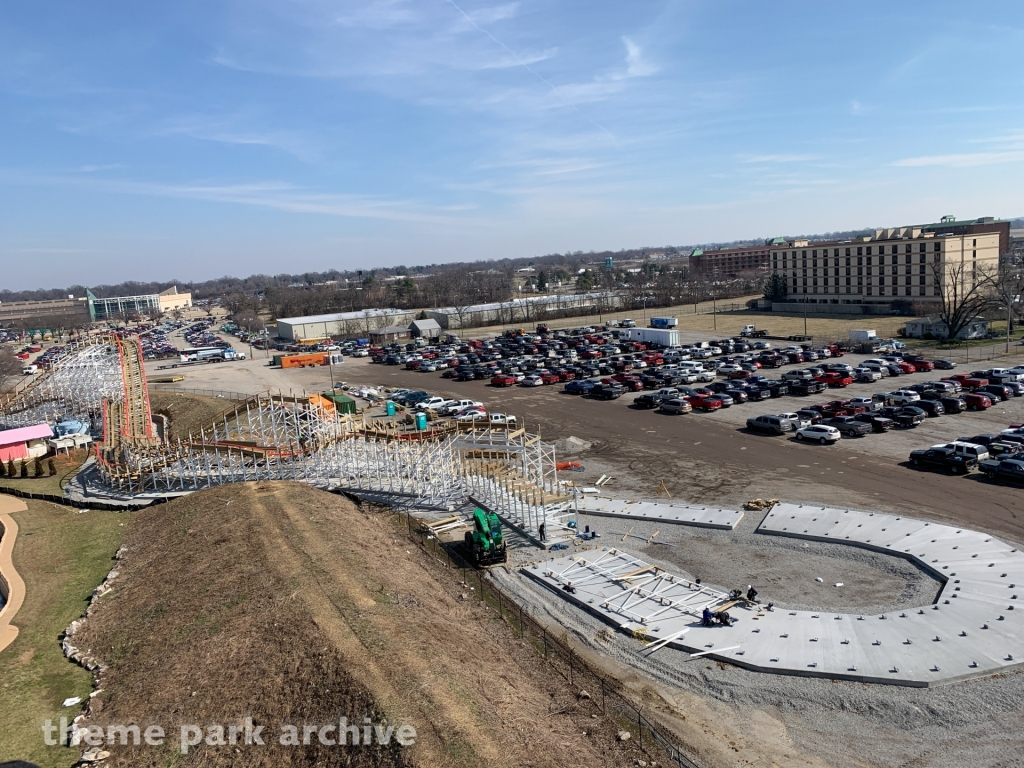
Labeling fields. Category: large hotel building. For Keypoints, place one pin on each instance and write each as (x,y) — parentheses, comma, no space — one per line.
(901,263)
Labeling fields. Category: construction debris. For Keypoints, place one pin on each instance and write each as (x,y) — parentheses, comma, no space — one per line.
(756,505)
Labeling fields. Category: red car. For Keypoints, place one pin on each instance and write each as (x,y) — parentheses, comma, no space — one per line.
(977,402)
(704,402)
(922,366)
(834,379)
(503,380)
(565,375)
(906,367)
(549,377)
(967,381)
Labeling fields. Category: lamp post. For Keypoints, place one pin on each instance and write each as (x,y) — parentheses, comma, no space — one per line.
(714,310)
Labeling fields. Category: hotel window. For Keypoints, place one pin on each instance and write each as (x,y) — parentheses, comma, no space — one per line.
(847,283)
(921,281)
(881,260)
(826,282)
(847,261)
(860,261)
(937,247)
(921,270)
(835,253)
(881,279)
(869,261)
(907,249)
(869,250)
(847,251)
(869,290)
(922,248)
(869,270)
(860,251)
(908,258)
(908,290)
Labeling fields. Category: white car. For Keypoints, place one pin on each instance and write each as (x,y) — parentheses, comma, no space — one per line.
(865,402)
(905,397)
(433,404)
(798,421)
(471,414)
(819,433)
(532,381)
(728,368)
(866,375)
(462,405)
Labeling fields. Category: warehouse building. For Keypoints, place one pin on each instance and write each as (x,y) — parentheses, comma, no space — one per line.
(341,324)
(139,306)
(52,314)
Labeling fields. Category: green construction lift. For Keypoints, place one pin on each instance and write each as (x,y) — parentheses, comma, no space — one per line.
(485,543)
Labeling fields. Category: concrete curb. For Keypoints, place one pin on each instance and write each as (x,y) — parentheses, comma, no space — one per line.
(11,583)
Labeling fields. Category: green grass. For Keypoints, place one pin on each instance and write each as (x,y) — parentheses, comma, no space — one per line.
(52,484)
(62,556)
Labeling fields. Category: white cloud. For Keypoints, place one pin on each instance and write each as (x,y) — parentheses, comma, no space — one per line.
(636,65)
(781,158)
(964,160)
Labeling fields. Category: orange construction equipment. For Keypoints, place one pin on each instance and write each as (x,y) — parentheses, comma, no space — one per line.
(303,361)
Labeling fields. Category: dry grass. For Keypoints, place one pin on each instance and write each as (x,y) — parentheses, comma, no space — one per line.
(288,604)
(62,555)
(187,412)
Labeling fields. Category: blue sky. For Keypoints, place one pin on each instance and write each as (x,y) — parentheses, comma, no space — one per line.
(196,139)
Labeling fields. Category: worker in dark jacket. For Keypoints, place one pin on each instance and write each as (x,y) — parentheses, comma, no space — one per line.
(751,594)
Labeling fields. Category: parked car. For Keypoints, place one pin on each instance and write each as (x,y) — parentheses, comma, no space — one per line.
(798,421)
(968,450)
(820,433)
(704,402)
(977,401)
(834,379)
(945,365)
(811,416)
(774,425)
(933,408)
(578,387)
(648,401)
(901,417)
(904,397)
(848,426)
(864,402)
(1010,470)
(675,405)
(943,458)
(997,392)
(503,380)
(876,422)
(809,387)
(502,419)
(866,375)
(607,391)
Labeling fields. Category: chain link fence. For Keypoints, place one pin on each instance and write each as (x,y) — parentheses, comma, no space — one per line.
(606,692)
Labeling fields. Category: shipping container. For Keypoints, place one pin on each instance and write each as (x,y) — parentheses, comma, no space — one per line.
(663,337)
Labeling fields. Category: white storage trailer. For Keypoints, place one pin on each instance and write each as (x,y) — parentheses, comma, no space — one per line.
(661,337)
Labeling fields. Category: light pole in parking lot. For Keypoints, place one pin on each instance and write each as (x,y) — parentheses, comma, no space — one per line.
(714,310)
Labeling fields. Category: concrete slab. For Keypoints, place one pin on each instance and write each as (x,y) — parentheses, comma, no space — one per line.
(975,627)
(678,514)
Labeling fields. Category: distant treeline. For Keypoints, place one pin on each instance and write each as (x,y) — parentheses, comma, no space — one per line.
(255,285)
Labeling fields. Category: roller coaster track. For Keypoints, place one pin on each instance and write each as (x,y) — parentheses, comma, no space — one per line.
(283,437)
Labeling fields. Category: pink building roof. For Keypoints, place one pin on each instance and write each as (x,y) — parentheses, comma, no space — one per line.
(24,434)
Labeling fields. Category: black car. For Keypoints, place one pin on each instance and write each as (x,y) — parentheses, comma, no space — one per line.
(1004,470)
(996,391)
(901,417)
(876,422)
(648,401)
(931,407)
(801,388)
(944,365)
(755,392)
(948,403)
(943,458)
(848,426)
(607,391)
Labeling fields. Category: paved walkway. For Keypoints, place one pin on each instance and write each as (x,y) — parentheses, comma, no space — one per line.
(10,581)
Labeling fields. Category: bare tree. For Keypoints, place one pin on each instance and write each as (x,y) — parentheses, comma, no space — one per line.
(965,291)
(1007,286)
(10,367)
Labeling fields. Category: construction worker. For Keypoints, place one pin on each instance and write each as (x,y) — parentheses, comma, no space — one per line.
(706,617)
(541,531)
(751,594)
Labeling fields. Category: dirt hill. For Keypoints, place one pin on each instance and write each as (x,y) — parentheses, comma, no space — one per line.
(291,606)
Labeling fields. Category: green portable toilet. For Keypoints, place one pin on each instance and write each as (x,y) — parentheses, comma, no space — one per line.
(421,421)
(389,406)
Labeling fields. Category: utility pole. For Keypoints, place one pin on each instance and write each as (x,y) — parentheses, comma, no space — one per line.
(714,311)
(805,316)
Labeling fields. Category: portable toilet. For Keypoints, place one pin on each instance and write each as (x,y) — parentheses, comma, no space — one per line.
(421,421)
(389,407)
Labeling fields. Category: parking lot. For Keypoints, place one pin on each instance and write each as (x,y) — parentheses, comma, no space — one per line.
(707,457)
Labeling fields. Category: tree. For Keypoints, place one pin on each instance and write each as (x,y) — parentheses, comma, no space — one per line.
(10,367)
(585,281)
(775,288)
(965,291)
(542,280)
(1007,286)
